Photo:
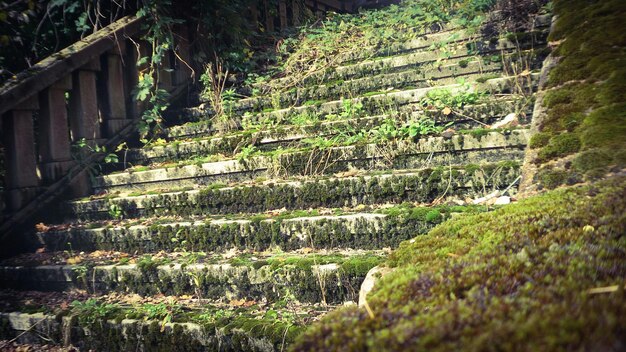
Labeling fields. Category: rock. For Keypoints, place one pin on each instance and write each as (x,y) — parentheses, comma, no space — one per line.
(486,198)
(503,200)
(509,120)
(447,134)
(371,278)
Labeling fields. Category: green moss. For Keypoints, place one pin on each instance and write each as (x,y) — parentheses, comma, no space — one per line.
(588,85)
(539,140)
(508,279)
(559,146)
(552,178)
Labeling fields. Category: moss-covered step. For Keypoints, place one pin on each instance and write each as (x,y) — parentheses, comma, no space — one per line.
(174,324)
(448,35)
(485,111)
(480,146)
(383,228)
(427,75)
(457,49)
(379,102)
(308,278)
(421,186)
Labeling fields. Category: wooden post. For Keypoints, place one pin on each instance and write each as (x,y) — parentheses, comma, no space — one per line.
(114,95)
(19,140)
(282,11)
(83,107)
(54,134)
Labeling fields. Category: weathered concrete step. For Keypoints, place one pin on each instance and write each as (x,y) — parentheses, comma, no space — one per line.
(448,34)
(485,111)
(411,78)
(421,186)
(287,231)
(101,325)
(451,38)
(461,149)
(416,68)
(377,104)
(331,278)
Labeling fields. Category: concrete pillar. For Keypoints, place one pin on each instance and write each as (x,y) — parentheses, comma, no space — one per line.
(114,99)
(21,163)
(83,107)
(54,134)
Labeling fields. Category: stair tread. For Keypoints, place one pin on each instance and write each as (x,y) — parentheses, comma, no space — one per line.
(428,144)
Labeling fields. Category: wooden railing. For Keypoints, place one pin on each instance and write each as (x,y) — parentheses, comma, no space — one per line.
(81,92)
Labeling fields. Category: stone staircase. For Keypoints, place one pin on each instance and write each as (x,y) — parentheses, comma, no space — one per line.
(239,240)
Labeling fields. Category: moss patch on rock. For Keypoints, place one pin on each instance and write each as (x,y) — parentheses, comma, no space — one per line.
(586,109)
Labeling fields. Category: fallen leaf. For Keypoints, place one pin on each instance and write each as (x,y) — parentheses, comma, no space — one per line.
(41,227)
(446,111)
(74,260)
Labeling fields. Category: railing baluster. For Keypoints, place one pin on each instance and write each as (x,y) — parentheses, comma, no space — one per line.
(282,11)
(183,72)
(21,164)
(54,135)
(84,113)
(115,118)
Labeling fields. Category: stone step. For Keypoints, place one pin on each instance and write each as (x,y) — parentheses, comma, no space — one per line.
(377,104)
(102,323)
(314,277)
(451,38)
(417,70)
(287,231)
(421,186)
(460,149)
(485,112)
(448,34)
(428,74)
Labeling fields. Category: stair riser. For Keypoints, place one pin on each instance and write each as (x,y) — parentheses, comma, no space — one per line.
(485,113)
(336,284)
(139,335)
(402,80)
(427,61)
(421,187)
(427,152)
(366,233)
(424,41)
(383,103)
(353,62)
